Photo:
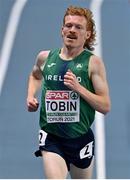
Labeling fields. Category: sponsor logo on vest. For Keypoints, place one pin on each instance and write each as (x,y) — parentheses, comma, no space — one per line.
(79,66)
(57,95)
(52,64)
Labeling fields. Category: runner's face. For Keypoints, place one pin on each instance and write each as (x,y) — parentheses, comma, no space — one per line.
(74,31)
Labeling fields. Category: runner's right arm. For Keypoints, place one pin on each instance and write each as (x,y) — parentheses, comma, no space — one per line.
(35,80)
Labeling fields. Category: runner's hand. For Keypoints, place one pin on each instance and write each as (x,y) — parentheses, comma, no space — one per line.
(32,104)
(71,81)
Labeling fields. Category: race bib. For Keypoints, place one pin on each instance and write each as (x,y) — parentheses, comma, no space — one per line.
(62,106)
(42,137)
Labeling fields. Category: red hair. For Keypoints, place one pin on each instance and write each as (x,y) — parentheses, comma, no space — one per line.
(72,10)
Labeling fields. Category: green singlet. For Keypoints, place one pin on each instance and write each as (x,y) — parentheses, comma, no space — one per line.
(63,112)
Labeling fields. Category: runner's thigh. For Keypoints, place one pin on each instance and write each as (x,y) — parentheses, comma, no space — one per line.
(54,165)
(78,173)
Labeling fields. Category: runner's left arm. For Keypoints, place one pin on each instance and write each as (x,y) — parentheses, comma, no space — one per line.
(100,101)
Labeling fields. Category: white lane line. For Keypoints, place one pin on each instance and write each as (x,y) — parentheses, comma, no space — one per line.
(9,38)
(99,118)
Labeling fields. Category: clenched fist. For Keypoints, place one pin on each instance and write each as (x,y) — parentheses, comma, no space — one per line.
(32,104)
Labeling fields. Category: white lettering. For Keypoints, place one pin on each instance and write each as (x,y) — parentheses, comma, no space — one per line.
(60,78)
(55,77)
(49,77)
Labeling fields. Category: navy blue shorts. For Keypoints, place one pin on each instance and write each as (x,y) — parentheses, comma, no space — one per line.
(77,151)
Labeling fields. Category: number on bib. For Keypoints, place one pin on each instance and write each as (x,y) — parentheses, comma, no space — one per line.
(87,151)
(42,137)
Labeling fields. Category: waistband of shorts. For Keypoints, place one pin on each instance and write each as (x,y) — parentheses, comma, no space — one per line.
(72,139)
